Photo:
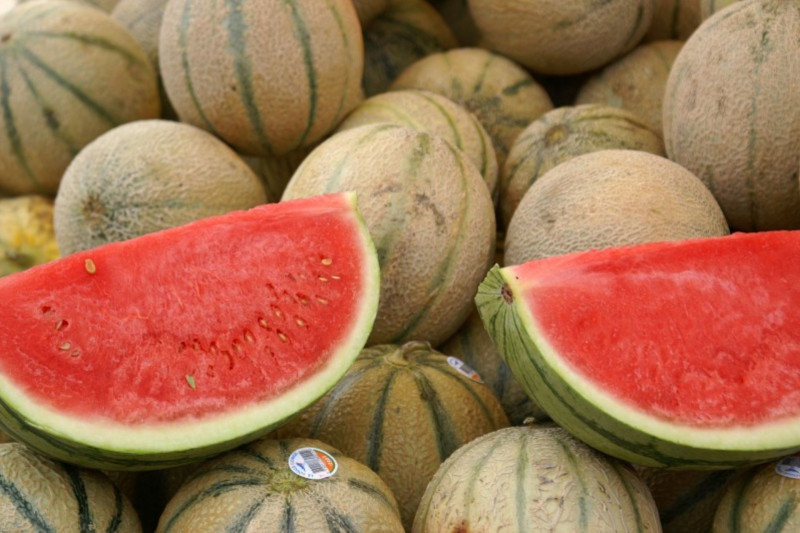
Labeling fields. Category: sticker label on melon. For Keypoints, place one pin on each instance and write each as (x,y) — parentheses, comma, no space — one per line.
(789,466)
(312,463)
(464,369)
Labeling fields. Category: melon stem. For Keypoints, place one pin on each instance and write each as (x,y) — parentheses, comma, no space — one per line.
(402,355)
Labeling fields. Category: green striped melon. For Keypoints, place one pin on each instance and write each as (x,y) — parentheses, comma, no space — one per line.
(709,7)
(105,5)
(429,213)
(402,410)
(434,114)
(686,499)
(729,118)
(530,479)
(253,489)
(562,134)
(40,495)
(677,354)
(266,77)
(761,499)
(503,96)
(635,82)
(27,237)
(472,345)
(561,37)
(407,30)
(674,20)
(146,176)
(68,73)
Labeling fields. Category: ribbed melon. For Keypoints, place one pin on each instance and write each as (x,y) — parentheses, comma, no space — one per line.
(635,82)
(68,73)
(761,499)
(147,176)
(253,490)
(562,36)
(562,134)
(674,20)
(27,237)
(434,114)
(38,494)
(531,479)
(402,410)
(407,30)
(729,118)
(105,5)
(429,213)
(266,77)
(610,198)
(503,96)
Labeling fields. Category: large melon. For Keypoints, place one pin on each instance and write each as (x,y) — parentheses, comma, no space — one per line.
(68,73)
(183,343)
(730,115)
(679,354)
(266,77)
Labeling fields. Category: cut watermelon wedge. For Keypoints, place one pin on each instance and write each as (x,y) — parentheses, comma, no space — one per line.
(680,354)
(180,344)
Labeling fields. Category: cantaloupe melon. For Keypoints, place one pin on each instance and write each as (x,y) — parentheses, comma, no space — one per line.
(266,77)
(610,198)
(27,237)
(562,36)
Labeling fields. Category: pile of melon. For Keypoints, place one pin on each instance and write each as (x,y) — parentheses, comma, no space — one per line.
(400,265)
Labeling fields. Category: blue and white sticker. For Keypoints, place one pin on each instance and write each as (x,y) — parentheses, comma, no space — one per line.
(312,463)
(463,368)
(789,466)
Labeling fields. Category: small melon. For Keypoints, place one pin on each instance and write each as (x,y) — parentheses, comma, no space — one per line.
(610,198)
(27,237)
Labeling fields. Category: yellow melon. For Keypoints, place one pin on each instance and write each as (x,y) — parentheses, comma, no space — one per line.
(27,237)
(610,198)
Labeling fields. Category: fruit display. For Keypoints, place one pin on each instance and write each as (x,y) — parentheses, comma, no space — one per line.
(423,233)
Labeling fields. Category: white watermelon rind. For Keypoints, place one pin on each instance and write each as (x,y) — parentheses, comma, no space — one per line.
(100,444)
(601,420)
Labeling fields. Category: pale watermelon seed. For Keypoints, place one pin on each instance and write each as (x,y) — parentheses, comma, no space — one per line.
(65,346)
(248,336)
(262,322)
(327,261)
(90,266)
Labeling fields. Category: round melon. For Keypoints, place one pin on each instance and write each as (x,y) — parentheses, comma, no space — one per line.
(369,9)
(429,213)
(266,77)
(147,176)
(27,237)
(562,134)
(503,96)
(709,7)
(761,499)
(402,410)
(293,485)
(105,5)
(472,345)
(674,20)
(39,494)
(562,37)
(730,118)
(610,198)
(530,479)
(635,82)
(434,114)
(69,74)
(404,32)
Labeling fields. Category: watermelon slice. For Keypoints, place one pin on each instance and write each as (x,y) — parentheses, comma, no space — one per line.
(180,344)
(677,354)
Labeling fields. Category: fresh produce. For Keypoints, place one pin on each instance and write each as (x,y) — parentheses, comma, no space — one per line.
(677,354)
(729,117)
(531,479)
(187,342)
(402,410)
(709,7)
(674,19)
(41,495)
(270,485)
(610,198)
(68,73)
(429,213)
(27,237)
(146,176)
(369,9)
(265,77)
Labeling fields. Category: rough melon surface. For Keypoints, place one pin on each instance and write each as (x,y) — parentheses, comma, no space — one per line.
(680,354)
(186,342)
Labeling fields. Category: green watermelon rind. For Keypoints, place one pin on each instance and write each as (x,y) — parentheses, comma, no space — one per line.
(117,447)
(596,417)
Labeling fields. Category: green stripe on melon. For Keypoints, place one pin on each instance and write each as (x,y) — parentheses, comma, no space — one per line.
(711,323)
(232,302)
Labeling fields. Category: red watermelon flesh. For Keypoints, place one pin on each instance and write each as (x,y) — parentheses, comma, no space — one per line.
(194,337)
